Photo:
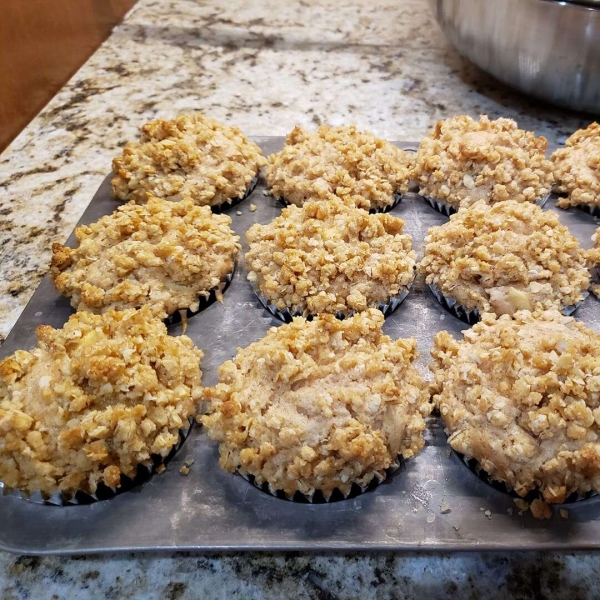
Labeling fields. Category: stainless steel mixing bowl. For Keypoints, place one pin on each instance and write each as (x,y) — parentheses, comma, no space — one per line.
(545,48)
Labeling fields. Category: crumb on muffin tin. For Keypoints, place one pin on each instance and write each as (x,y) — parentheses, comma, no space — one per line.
(521,396)
(318,406)
(191,157)
(161,254)
(356,166)
(577,168)
(93,401)
(330,257)
(504,258)
(462,161)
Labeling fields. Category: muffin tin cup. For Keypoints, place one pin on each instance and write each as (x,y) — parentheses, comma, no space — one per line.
(320,497)
(287,315)
(473,465)
(372,211)
(470,317)
(448,209)
(225,206)
(204,302)
(144,473)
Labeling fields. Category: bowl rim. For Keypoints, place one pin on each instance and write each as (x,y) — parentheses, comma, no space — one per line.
(584,4)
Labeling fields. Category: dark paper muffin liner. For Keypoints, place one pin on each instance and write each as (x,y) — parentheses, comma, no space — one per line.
(204,301)
(372,211)
(473,316)
(448,209)
(286,315)
(473,465)
(591,209)
(144,473)
(224,206)
(319,497)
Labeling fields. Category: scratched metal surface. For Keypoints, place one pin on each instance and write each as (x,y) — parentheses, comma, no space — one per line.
(212,510)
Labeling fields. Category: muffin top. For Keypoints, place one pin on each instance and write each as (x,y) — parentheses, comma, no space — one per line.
(190,158)
(506,257)
(462,161)
(353,165)
(93,400)
(577,168)
(521,396)
(330,257)
(160,254)
(319,405)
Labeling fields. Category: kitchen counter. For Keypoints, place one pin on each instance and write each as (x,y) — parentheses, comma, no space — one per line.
(264,67)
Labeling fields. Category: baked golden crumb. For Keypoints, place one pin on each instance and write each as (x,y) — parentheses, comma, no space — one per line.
(161,254)
(190,158)
(330,257)
(521,396)
(355,166)
(577,168)
(93,400)
(319,405)
(506,257)
(462,161)
(594,261)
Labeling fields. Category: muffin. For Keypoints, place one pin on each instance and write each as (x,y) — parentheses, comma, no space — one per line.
(191,158)
(93,401)
(577,169)
(505,257)
(327,257)
(164,255)
(463,161)
(355,166)
(319,406)
(521,396)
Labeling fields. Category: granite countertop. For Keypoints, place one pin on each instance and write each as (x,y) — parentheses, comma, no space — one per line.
(264,67)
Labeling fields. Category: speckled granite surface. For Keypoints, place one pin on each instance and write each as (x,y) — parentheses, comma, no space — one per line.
(319,577)
(265,67)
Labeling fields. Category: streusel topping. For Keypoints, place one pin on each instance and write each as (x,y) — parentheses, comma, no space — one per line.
(93,400)
(161,254)
(319,405)
(521,395)
(577,168)
(359,168)
(462,161)
(506,257)
(330,257)
(191,157)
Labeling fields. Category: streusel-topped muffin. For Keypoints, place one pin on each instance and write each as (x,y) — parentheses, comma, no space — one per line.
(354,165)
(330,257)
(462,161)
(191,157)
(319,405)
(161,254)
(93,400)
(506,257)
(577,168)
(521,396)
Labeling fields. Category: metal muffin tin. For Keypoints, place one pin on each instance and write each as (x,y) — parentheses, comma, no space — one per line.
(432,501)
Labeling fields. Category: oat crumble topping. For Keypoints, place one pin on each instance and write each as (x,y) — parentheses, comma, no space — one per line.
(506,257)
(93,400)
(521,396)
(577,168)
(462,161)
(318,405)
(330,257)
(161,254)
(359,168)
(191,157)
